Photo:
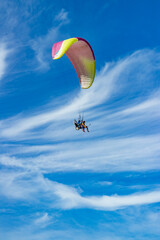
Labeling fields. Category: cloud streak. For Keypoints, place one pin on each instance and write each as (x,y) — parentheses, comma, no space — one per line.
(112,155)
(4,52)
(43,44)
(62,16)
(70,198)
(41,47)
(66,197)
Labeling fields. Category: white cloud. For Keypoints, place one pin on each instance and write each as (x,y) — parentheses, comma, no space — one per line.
(26,186)
(18,185)
(4,52)
(62,16)
(151,104)
(70,198)
(43,220)
(141,223)
(42,46)
(110,155)
(105,183)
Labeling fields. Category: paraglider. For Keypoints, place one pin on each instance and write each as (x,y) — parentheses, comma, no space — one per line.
(81,55)
(80,124)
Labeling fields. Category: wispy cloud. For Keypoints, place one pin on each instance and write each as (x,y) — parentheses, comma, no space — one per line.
(43,44)
(62,16)
(18,21)
(4,55)
(140,222)
(111,155)
(43,220)
(70,198)
(15,186)
(41,47)
(66,197)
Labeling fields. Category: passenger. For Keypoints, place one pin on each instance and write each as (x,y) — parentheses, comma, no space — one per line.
(84,126)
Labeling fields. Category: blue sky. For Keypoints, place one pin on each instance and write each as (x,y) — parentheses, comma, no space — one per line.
(58,183)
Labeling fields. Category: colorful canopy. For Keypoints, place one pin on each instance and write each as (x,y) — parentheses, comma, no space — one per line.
(81,55)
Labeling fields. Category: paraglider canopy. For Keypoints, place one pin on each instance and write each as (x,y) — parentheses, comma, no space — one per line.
(81,55)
